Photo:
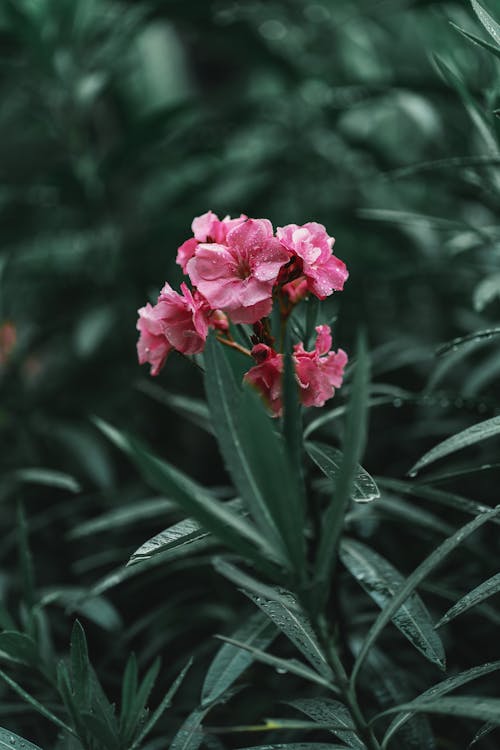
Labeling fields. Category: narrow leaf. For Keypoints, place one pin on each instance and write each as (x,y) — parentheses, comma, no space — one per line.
(278,481)
(182,533)
(470,436)
(80,667)
(224,399)
(19,646)
(47,477)
(287,614)
(476,596)
(446,499)
(352,451)
(35,704)
(214,516)
(477,40)
(231,661)
(436,691)
(381,581)
(331,714)
(468,707)
(282,666)
(329,460)
(11,741)
(415,578)
(491,26)
(297,746)
(244,580)
(165,703)
(190,735)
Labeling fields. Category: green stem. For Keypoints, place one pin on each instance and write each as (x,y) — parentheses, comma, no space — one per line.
(363,729)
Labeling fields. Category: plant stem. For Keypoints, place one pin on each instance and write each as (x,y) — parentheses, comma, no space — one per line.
(364,731)
(234,345)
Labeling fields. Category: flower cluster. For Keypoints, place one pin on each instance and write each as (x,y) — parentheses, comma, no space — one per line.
(238,269)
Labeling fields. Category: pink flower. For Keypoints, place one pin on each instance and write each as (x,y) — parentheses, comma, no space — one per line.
(318,373)
(238,276)
(266,376)
(152,346)
(177,321)
(185,252)
(184,319)
(296,289)
(206,228)
(310,242)
(321,371)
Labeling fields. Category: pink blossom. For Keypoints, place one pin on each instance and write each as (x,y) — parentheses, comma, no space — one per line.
(318,373)
(177,321)
(184,319)
(206,228)
(321,371)
(296,289)
(266,376)
(325,272)
(238,276)
(185,252)
(152,346)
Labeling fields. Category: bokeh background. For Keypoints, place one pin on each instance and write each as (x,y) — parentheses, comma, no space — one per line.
(120,122)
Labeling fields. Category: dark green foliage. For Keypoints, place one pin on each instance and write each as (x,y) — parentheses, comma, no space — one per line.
(120,122)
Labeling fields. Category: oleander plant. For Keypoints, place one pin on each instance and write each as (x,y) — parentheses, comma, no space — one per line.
(249,489)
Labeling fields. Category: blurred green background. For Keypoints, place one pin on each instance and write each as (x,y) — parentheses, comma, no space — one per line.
(120,122)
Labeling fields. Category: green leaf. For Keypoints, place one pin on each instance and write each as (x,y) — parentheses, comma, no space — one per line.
(244,580)
(20,647)
(230,662)
(487,728)
(47,477)
(485,335)
(224,399)
(190,735)
(297,746)
(126,515)
(477,40)
(470,436)
(164,704)
(188,407)
(292,422)
(11,741)
(214,516)
(39,708)
(414,517)
(476,113)
(103,711)
(25,558)
(381,581)
(440,689)
(327,712)
(182,533)
(80,667)
(282,666)
(467,707)
(491,26)
(446,499)
(130,684)
(476,596)
(329,460)
(131,721)
(279,483)
(260,468)
(287,614)
(389,685)
(353,447)
(415,578)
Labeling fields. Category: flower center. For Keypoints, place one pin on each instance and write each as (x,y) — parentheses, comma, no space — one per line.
(243,270)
